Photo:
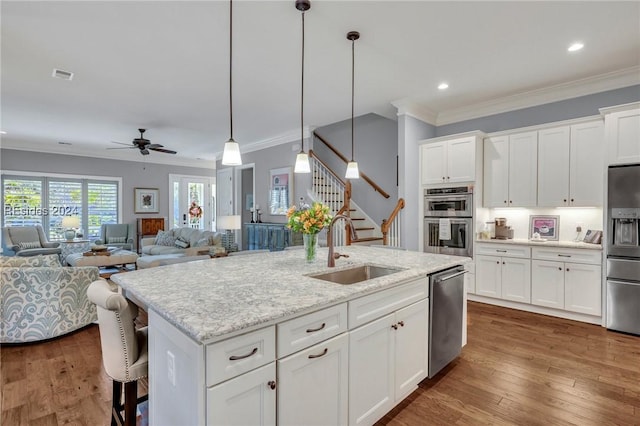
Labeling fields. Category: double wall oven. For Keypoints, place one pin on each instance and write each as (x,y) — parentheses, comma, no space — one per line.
(623,249)
(448,220)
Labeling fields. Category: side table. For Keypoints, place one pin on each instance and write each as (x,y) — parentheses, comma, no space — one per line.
(72,246)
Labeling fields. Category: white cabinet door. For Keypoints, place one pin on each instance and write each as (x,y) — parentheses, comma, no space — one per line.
(523,169)
(553,167)
(586,168)
(461,160)
(488,276)
(547,284)
(371,371)
(623,136)
(411,344)
(516,279)
(245,400)
(496,171)
(313,385)
(434,163)
(583,288)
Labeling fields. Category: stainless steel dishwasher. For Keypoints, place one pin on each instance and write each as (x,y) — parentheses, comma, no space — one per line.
(446,296)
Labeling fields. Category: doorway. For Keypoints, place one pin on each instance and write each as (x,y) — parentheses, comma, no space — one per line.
(191,201)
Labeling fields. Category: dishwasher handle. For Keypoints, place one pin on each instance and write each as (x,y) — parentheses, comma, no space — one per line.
(448,277)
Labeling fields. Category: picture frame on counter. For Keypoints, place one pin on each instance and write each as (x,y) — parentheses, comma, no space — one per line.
(545,227)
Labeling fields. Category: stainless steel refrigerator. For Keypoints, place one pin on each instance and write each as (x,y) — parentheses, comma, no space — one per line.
(623,249)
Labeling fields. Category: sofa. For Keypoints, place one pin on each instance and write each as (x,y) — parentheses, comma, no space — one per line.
(186,241)
(40,299)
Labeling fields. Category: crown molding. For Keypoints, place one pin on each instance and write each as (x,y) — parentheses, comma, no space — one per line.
(408,107)
(76,151)
(290,136)
(618,108)
(586,86)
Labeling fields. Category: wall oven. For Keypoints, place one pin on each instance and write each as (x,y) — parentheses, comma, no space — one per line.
(448,202)
(457,243)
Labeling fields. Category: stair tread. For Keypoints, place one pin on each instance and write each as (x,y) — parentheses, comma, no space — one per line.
(358,240)
(365,229)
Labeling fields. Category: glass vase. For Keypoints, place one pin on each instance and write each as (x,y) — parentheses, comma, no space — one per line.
(310,246)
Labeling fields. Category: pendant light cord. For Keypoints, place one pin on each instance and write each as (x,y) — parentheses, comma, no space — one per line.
(302,93)
(353,64)
(230,69)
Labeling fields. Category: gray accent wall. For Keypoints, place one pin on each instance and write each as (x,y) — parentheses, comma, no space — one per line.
(376,148)
(410,131)
(582,106)
(134,174)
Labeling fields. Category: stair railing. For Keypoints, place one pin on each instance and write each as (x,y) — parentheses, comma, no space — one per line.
(391,227)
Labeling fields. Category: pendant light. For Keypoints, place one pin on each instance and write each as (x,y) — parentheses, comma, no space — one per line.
(302,159)
(352,166)
(231,153)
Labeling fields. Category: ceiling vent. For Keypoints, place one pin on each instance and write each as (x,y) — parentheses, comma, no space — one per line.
(64,75)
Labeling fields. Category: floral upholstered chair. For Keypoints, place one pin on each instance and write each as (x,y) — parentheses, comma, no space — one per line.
(41,299)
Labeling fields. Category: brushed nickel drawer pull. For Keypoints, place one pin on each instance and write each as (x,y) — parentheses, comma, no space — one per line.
(237,357)
(318,356)
(313,330)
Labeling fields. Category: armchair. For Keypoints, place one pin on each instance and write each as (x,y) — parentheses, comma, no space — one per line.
(27,241)
(116,235)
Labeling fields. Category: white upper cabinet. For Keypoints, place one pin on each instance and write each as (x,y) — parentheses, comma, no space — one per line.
(510,170)
(570,172)
(449,161)
(622,126)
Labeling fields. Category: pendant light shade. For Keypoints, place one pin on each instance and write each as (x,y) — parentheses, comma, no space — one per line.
(352,166)
(302,159)
(231,153)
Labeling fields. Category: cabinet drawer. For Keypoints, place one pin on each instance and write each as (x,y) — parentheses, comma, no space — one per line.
(240,354)
(375,305)
(568,255)
(505,250)
(310,329)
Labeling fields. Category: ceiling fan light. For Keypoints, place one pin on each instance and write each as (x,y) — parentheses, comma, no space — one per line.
(302,163)
(352,170)
(231,154)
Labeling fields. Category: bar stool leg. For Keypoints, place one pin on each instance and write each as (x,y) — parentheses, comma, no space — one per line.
(130,403)
(116,404)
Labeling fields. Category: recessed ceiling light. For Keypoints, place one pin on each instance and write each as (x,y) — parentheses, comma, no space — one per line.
(62,74)
(575,47)
(443,86)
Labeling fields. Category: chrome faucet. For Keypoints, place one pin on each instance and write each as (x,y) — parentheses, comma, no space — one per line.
(333,256)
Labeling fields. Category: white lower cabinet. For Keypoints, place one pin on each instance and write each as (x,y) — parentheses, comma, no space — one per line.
(249,399)
(504,278)
(548,284)
(388,358)
(313,385)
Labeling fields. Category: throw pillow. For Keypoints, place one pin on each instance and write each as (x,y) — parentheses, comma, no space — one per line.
(182,243)
(203,242)
(29,245)
(165,239)
(114,240)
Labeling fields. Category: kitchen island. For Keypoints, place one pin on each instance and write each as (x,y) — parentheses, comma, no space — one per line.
(215,357)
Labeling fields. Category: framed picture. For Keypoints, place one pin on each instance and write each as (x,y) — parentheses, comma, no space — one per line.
(145,200)
(280,190)
(548,227)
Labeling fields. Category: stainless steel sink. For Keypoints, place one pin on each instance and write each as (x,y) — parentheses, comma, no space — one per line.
(356,274)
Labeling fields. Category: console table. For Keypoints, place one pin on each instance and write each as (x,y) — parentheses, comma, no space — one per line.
(271,236)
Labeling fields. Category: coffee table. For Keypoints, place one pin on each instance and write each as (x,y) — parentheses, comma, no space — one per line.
(119,258)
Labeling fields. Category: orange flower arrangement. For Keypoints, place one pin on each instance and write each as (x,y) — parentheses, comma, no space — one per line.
(308,220)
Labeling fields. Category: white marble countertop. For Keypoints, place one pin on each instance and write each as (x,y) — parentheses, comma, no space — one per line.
(208,299)
(558,244)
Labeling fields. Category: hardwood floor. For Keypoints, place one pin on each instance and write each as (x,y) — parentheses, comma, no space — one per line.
(518,368)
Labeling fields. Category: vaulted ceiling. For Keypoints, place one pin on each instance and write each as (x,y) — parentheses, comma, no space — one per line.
(163,66)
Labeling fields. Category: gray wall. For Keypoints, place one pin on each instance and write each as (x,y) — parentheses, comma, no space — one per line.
(376,148)
(582,106)
(134,174)
(410,131)
(274,158)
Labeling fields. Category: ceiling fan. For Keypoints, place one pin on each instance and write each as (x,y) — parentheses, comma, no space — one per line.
(144,145)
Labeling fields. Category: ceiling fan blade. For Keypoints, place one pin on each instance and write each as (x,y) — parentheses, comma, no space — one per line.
(121,143)
(124,147)
(154,145)
(166,151)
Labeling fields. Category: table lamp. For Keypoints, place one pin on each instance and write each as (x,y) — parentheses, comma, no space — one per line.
(229,223)
(70,224)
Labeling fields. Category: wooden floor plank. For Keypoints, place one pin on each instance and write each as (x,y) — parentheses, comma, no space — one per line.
(518,368)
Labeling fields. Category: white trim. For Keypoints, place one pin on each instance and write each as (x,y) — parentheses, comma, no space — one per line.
(597,320)
(291,136)
(547,125)
(585,86)
(410,108)
(474,133)
(618,108)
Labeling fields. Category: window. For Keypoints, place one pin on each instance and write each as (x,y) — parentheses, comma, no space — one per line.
(43,200)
